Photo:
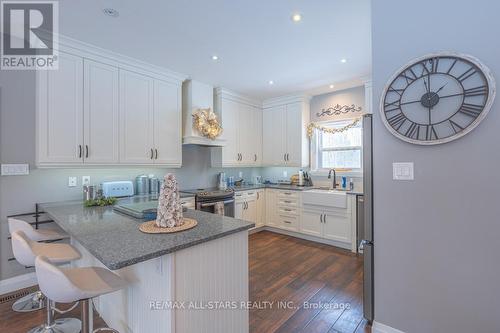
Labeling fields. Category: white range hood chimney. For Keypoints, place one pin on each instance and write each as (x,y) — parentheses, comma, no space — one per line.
(196,95)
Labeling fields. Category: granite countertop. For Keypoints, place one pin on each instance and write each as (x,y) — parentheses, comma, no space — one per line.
(116,241)
(356,191)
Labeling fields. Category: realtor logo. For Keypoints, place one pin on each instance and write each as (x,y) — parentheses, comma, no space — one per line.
(29,35)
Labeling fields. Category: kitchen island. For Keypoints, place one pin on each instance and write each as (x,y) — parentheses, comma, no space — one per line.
(191,281)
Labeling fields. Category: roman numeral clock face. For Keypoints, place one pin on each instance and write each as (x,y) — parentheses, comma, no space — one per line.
(437,98)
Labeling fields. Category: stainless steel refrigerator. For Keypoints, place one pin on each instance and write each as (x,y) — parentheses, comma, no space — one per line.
(366,244)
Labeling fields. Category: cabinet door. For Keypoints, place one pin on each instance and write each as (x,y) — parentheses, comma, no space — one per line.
(273,147)
(101,113)
(261,209)
(60,112)
(271,208)
(337,227)
(294,134)
(167,124)
(257,136)
(238,209)
(136,118)
(250,211)
(229,114)
(246,134)
(310,223)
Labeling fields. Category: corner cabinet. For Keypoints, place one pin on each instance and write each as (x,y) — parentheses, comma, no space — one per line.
(285,141)
(93,111)
(241,120)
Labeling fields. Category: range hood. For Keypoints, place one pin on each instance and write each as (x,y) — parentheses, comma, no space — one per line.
(196,95)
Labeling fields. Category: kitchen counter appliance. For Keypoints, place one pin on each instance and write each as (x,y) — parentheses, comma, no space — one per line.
(212,200)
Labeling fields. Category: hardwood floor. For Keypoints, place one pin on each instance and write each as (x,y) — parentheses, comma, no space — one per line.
(287,269)
(15,322)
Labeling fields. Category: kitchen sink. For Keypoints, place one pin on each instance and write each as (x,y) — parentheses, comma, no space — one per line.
(325,197)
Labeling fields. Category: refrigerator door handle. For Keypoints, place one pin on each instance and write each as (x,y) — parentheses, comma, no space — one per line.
(363,243)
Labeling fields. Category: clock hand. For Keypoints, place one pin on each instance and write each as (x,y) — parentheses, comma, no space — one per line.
(444,85)
(419,101)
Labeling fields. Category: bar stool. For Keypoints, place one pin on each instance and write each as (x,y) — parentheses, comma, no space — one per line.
(67,285)
(25,252)
(34,301)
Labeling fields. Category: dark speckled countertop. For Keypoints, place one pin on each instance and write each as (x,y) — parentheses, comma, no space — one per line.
(356,191)
(116,241)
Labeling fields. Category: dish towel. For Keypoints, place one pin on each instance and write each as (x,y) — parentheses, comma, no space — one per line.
(169,204)
(219,208)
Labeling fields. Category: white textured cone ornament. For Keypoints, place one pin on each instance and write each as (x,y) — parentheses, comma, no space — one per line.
(169,204)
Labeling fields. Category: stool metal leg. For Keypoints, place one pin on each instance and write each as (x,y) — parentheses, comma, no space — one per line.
(32,302)
(88,319)
(62,325)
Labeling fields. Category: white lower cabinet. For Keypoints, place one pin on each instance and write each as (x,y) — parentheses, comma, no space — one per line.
(246,206)
(261,208)
(285,210)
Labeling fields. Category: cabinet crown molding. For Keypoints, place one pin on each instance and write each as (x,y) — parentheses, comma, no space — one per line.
(90,51)
(237,97)
(298,98)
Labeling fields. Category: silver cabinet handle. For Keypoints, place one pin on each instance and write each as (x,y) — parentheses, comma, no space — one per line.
(255,159)
(287,201)
(152,154)
(79,151)
(156,154)
(284,157)
(287,222)
(321,218)
(86,151)
(324,219)
(258,196)
(287,157)
(287,210)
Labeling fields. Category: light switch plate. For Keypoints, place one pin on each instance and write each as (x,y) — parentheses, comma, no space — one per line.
(15,169)
(71,181)
(403,171)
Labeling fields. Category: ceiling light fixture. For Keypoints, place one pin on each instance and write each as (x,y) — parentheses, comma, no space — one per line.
(111,12)
(214,57)
(271,82)
(331,86)
(343,60)
(296,17)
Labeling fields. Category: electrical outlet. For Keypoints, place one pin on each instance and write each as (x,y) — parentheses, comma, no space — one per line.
(85,180)
(71,181)
(285,174)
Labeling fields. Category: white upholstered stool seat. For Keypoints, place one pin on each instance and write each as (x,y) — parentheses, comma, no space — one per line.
(37,235)
(76,284)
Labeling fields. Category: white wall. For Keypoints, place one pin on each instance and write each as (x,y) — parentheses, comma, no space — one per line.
(348,97)
(436,238)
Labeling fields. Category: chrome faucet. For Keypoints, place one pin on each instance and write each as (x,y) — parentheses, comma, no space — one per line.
(334,186)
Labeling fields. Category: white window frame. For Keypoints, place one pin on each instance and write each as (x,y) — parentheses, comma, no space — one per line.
(316,153)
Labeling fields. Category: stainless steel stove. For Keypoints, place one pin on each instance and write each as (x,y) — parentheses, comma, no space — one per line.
(212,200)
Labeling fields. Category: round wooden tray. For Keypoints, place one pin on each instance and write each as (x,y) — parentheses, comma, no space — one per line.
(151,228)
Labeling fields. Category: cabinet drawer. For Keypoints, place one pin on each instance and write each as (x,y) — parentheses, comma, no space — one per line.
(288,202)
(289,195)
(288,211)
(289,222)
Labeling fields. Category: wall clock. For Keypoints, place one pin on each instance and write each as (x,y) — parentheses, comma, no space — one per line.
(437,98)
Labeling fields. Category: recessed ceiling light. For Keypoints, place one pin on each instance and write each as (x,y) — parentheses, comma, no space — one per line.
(214,57)
(343,60)
(296,17)
(331,86)
(111,12)
(271,82)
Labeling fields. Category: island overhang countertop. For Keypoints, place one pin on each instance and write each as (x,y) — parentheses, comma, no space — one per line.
(115,240)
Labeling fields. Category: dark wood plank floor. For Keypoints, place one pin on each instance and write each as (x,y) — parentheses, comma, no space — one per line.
(287,272)
(282,269)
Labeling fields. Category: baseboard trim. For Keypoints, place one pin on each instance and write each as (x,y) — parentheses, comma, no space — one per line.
(382,328)
(17,282)
(306,237)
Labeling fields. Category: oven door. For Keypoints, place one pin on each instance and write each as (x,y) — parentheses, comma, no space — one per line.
(210,207)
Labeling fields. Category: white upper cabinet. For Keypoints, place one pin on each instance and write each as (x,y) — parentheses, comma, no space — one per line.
(60,113)
(101,113)
(167,124)
(285,132)
(99,108)
(136,118)
(242,131)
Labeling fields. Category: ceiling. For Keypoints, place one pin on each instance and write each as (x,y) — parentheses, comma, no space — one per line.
(256,41)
